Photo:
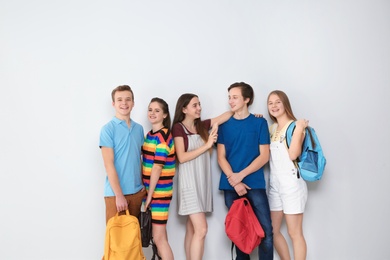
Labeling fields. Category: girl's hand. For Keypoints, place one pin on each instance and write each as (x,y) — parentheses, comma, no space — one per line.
(147,202)
(258,115)
(214,129)
(213,135)
(302,123)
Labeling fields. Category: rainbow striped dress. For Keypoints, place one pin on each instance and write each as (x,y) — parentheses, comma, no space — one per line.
(158,148)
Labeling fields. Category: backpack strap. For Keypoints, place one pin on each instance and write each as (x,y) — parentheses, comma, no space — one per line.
(231,250)
(155,251)
(309,131)
(289,133)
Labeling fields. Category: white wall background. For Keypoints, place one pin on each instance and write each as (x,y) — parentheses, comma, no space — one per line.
(59,61)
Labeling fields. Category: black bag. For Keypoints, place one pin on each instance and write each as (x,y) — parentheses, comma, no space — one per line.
(145,222)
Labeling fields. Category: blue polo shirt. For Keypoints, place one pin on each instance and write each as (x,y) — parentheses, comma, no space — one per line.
(241,139)
(127,143)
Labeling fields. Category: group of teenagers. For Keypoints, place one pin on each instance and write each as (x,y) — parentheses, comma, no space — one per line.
(140,168)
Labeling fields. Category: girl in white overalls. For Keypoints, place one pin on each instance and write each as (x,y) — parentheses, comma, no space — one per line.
(287,191)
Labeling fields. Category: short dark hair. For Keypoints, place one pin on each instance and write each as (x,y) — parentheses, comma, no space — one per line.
(246,91)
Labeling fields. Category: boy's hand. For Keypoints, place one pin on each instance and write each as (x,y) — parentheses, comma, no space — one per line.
(121,203)
(234,179)
(241,189)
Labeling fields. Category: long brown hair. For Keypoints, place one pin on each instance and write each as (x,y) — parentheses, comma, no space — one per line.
(286,103)
(183,102)
(165,108)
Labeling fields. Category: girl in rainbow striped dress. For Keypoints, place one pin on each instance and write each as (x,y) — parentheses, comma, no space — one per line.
(158,169)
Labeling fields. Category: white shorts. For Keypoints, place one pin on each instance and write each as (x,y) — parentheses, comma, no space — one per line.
(287,193)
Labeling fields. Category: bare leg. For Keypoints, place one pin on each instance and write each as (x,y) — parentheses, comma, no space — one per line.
(295,231)
(199,225)
(160,237)
(280,243)
(188,238)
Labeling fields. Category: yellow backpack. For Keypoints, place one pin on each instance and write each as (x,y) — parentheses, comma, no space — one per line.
(123,238)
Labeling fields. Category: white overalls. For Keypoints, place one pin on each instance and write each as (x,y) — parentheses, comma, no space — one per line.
(287,192)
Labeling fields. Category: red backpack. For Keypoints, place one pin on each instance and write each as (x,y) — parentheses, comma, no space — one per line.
(242,226)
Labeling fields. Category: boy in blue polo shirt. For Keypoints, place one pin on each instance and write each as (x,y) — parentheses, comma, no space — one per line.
(121,140)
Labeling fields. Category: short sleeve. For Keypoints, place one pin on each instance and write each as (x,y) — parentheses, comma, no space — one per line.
(264,133)
(220,138)
(178,131)
(162,151)
(207,124)
(106,137)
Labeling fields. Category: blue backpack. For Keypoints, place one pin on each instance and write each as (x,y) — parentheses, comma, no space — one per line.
(311,163)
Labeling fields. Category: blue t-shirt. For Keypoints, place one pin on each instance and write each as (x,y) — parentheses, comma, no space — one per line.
(241,139)
(127,143)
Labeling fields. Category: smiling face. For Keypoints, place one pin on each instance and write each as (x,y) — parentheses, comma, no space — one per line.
(156,114)
(275,106)
(123,104)
(193,109)
(236,100)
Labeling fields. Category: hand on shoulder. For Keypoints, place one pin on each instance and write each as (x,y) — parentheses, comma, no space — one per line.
(302,123)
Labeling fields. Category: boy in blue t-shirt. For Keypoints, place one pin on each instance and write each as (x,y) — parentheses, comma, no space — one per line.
(121,140)
(243,150)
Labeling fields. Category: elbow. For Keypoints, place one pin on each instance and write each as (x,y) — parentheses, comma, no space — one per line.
(219,161)
(293,156)
(180,159)
(268,156)
(265,156)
